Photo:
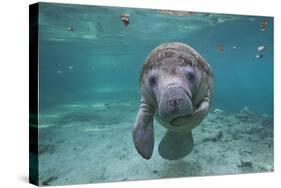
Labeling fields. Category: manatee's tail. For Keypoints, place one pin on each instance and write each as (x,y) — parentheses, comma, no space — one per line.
(176,145)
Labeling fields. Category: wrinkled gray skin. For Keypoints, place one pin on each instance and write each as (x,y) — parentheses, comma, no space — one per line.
(176,89)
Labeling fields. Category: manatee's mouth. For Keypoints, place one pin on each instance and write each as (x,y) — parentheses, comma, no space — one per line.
(175,102)
(177,120)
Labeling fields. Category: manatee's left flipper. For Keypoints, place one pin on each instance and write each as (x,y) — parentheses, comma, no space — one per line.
(202,109)
(143,134)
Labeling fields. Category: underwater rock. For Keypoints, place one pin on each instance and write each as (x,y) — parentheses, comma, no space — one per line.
(266,167)
(245,152)
(218,111)
(211,117)
(218,118)
(246,116)
(245,163)
(214,138)
(236,136)
(49,148)
(246,110)
(49,180)
(78,117)
(97,118)
(267,121)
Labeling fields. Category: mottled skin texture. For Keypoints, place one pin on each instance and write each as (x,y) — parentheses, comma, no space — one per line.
(176,88)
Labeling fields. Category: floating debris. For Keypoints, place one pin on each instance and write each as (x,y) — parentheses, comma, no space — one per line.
(220,48)
(125,18)
(99,27)
(260,52)
(220,20)
(263,24)
(259,56)
(260,48)
(177,13)
(71,29)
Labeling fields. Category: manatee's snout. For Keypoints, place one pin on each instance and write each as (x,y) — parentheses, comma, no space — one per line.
(175,102)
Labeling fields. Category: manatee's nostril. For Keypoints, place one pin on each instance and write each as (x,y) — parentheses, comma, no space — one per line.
(175,102)
(171,102)
(180,101)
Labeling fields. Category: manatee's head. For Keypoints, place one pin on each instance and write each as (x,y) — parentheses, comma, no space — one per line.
(171,78)
(172,87)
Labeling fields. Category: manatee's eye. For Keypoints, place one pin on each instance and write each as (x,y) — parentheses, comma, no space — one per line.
(152,81)
(190,76)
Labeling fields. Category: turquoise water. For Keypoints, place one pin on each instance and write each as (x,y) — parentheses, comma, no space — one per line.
(90,65)
(106,55)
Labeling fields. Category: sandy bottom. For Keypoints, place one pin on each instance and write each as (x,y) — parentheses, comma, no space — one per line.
(89,143)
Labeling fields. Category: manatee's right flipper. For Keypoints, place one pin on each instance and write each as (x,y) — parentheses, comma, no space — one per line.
(175,146)
(143,134)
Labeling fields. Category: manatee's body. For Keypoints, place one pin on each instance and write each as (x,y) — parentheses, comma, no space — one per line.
(176,89)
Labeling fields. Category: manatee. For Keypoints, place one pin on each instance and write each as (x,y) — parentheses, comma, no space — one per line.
(176,89)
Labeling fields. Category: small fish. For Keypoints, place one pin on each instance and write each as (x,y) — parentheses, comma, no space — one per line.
(234,47)
(125,18)
(220,48)
(59,71)
(263,24)
(71,29)
(70,67)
